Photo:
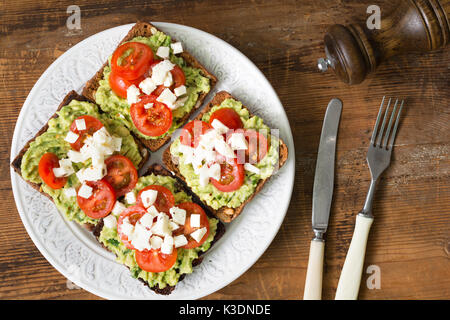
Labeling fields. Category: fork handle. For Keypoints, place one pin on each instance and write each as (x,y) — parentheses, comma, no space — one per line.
(313,283)
(350,280)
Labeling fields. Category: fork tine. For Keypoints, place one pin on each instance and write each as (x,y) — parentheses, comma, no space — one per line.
(394,131)
(380,135)
(375,128)
(388,130)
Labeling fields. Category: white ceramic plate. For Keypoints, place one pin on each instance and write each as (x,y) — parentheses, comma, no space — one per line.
(74,252)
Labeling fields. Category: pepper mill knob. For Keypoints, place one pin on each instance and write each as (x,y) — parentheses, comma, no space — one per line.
(354,51)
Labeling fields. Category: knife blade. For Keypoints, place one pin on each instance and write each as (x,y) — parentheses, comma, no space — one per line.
(324,174)
(322,196)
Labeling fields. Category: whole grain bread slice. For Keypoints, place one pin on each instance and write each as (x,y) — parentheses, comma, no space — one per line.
(72,95)
(144,29)
(225,214)
(157,169)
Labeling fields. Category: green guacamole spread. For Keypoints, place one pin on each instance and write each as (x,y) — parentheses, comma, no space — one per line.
(110,238)
(53,141)
(119,109)
(209,194)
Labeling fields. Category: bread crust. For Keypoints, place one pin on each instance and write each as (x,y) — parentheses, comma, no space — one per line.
(160,170)
(17,162)
(144,29)
(225,214)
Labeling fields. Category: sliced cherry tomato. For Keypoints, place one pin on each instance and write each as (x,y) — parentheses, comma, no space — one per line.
(232,176)
(193,208)
(155,261)
(164,201)
(92,125)
(101,202)
(191,132)
(178,78)
(154,121)
(121,174)
(131,60)
(257,146)
(133,213)
(45,168)
(228,117)
(120,85)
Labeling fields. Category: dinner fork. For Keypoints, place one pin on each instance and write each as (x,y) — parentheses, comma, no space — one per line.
(378,159)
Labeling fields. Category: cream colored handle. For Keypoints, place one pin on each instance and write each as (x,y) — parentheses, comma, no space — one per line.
(348,286)
(313,284)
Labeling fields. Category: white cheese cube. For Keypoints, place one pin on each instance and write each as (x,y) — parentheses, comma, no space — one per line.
(219,126)
(118,208)
(75,156)
(198,234)
(71,137)
(208,138)
(195,220)
(203,175)
(161,226)
(237,141)
(70,192)
(110,222)
(160,70)
(168,80)
(173,226)
(167,245)
(224,149)
(101,136)
(132,94)
(153,211)
(85,191)
(59,172)
(178,215)
(251,168)
(130,197)
(147,85)
(148,197)
(180,90)
(177,47)
(163,52)
(156,242)
(167,97)
(214,171)
(126,227)
(147,220)
(180,241)
(141,237)
(80,124)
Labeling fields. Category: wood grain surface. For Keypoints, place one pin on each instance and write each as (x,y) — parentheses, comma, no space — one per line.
(410,237)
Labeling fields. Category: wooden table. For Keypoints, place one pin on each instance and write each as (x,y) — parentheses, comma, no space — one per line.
(410,238)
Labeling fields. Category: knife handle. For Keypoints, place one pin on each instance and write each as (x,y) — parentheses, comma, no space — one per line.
(313,284)
(350,280)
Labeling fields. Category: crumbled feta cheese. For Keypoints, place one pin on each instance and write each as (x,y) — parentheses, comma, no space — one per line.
(224,149)
(180,241)
(70,192)
(75,156)
(153,211)
(178,215)
(132,94)
(180,90)
(219,126)
(156,242)
(126,227)
(237,141)
(198,234)
(173,226)
(167,245)
(80,124)
(141,237)
(118,208)
(147,85)
(167,97)
(168,80)
(161,226)
(110,221)
(195,220)
(251,168)
(160,70)
(85,191)
(130,197)
(148,197)
(177,47)
(163,52)
(71,137)
(214,171)
(147,220)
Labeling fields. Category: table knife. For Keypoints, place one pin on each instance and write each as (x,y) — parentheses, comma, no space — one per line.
(322,196)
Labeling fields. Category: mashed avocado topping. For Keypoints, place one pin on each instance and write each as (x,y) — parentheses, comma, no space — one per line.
(53,141)
(110,239)
(119,109)
(209,194)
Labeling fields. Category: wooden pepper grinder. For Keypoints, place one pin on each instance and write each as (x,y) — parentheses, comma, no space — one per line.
(413,26)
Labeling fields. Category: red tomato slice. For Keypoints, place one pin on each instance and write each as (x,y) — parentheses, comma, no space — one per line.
(154,121)
(92,125)
(178,78)
(121,174)
(133,213)
(45,168)
(101,202)
(120,85)
(155,261)
(193,208)
(232,176)
(164,201)
(191,132)
(131,60)
(257,146)
(228,117)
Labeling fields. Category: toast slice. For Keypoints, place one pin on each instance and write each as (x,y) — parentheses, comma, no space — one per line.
(157,169)
(225,214)
(72,95)
(145,29)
